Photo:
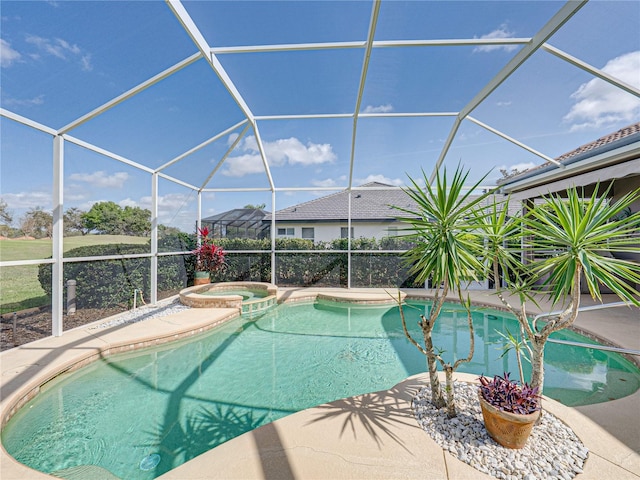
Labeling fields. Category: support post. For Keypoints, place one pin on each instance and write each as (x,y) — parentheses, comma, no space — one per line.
(154,240)
(57,289)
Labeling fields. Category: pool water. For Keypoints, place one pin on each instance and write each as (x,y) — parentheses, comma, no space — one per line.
(244,293)
(142,414)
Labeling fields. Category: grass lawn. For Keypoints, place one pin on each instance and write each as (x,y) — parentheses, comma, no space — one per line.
(19,286)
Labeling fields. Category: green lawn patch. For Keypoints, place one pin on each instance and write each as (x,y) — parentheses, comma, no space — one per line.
(19,285)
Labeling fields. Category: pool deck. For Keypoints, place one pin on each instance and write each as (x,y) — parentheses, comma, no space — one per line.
(368,436)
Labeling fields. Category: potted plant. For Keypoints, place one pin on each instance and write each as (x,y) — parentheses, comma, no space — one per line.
(578,228)
(209,258)
(510,409)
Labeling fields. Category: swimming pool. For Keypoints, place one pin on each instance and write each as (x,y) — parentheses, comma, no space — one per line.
(171,403)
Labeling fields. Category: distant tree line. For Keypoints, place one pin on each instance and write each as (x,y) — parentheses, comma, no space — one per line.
(104,218)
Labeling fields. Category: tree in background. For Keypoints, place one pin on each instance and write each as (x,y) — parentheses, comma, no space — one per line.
(73,222)
(109,218)
(103,217)
(6,218)
(37,223)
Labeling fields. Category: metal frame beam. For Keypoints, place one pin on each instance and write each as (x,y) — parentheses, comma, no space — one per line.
(514,141)
(130,93)
(552,26)
(592,70)
(375,10)
(224,157)
(461,42)
(201,145)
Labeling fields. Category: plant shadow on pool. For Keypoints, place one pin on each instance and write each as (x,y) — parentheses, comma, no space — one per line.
(203,430)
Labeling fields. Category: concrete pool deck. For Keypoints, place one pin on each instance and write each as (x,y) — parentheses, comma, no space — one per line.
(368,436)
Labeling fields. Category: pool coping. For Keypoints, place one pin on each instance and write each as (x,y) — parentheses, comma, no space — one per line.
(25,369)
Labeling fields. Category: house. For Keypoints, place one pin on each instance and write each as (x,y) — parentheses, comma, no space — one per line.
(326,218)
(611,158)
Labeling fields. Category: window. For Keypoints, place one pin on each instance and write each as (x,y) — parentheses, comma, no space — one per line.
(343,232)
(286,232)
(307,233)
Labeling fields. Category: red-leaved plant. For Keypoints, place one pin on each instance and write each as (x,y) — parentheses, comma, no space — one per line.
(209,256)
(509,395)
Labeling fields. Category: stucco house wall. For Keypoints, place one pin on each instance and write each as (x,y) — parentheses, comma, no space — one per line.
(327,231)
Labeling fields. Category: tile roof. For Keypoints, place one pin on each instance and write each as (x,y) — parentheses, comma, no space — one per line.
(373,204)
(588,150)
(602,141)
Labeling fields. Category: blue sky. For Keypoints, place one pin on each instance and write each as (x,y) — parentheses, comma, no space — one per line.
(62,59)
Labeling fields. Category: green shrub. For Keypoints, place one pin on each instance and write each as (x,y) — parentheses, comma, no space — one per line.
(105,283)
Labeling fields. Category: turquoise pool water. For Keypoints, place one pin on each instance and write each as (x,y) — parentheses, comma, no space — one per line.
(246,294)
(142,414)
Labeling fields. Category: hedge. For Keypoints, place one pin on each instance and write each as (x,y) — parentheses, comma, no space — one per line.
(104,283)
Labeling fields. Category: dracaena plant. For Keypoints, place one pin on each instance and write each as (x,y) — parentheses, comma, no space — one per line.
(510,396)
(447,252)
(578,229)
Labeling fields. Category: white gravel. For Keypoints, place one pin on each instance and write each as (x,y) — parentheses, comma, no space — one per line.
(144,313)
(552,452)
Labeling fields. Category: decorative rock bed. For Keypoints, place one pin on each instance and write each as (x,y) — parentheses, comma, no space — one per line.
(553,451)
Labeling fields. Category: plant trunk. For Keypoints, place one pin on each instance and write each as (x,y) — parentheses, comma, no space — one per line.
(537,363)
(451,404)
(519,360)
(436,392)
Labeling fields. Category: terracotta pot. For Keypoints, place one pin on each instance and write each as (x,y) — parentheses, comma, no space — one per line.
(201,278)
(510,430)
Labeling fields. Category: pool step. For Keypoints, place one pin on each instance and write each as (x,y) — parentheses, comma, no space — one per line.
(83,472)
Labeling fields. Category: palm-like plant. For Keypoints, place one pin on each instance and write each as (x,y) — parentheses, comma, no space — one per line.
(447,253)
(577,230)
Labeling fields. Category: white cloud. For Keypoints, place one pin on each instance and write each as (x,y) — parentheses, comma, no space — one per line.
(500,32)
(285,151)
(61,49)
(100,179)
(329,182)
(7,54)
(26,200)
(598,103)
(504,103)
(29,102)
(380,179)
(520,167)
(379,109)
(232,138)
(85,62)
(127,202)
(243,165)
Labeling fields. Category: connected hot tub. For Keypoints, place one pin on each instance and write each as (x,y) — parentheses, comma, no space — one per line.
(249,297)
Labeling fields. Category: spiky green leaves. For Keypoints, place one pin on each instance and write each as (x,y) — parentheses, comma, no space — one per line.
(448,247)
(584,233)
